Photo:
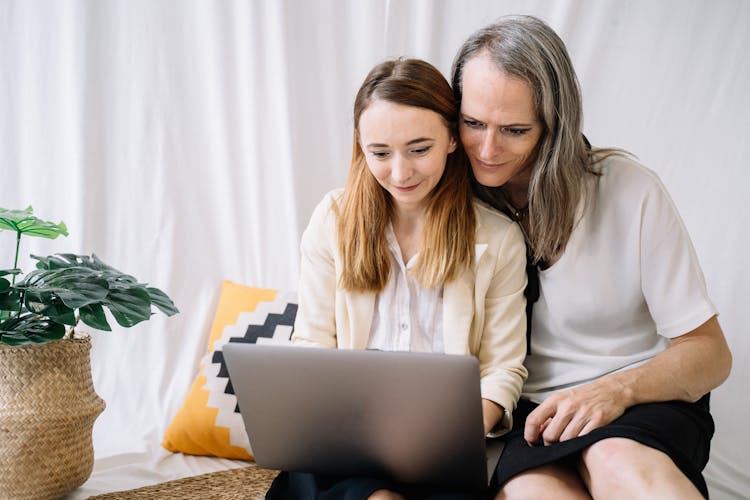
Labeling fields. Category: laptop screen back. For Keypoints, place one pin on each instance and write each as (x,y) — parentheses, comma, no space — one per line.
(411,417)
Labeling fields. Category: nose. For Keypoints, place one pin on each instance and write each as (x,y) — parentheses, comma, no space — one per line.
(401,170)
(489,146)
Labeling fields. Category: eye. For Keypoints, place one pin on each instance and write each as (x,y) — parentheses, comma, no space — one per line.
(380,155)
(421,151)
(515,130)
(472,123)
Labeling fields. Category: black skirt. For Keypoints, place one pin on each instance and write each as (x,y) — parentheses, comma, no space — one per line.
(681,430)
(302,485)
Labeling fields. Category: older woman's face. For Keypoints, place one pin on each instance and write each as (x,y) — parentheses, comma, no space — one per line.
(498,126)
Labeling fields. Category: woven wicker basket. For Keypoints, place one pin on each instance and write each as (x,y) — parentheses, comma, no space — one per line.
(47,411)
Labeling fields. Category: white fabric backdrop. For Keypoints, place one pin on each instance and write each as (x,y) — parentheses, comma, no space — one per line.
(186,142)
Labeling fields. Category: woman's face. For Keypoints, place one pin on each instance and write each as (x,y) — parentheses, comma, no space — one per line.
(499,127)
(405,148)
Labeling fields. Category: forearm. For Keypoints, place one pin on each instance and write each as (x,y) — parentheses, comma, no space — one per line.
(492,413)
(502,347)
(694,364)
(313,329)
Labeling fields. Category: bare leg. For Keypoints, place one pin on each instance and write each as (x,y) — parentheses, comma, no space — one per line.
(385,495)
(617,468)
(560,482)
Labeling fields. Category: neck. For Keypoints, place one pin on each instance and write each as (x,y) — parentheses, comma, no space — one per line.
(517,195)
(517,189)
(407,227)
(407,218)
(408,214)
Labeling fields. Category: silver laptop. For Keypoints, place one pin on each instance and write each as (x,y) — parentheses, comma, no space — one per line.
(410,417)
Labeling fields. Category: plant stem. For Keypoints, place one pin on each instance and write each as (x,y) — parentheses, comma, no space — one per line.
(15,259)
(72,333)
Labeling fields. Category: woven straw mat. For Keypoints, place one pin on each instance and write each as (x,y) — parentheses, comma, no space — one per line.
(246,483)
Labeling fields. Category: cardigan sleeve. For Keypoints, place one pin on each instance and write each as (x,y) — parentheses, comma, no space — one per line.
(315,324)
(503,338)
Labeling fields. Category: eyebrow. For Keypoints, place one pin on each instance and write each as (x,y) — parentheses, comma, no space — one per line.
(508,125)
(410,143)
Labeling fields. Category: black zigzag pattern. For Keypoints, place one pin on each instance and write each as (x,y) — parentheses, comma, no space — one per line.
(251,336)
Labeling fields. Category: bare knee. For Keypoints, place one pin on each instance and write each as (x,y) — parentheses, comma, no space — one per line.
(620,467)
(385,495)
(615,459)
(539,482)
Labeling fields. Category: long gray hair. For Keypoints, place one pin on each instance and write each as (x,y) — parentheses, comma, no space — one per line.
(527,48)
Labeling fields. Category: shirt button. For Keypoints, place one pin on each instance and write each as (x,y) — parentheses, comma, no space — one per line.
(404,326)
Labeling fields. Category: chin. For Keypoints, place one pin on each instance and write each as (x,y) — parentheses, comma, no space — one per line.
(489,180)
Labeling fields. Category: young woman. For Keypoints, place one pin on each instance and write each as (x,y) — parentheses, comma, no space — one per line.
(403,258)
(624,341)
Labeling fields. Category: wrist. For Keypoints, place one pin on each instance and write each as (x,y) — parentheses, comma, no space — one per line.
(492,413)
(623,385)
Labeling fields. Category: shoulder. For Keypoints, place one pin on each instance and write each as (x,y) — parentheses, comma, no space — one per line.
(625,174)
(625,187)
(323,219)
(494,226)
(325,211)
(631,194)
(491,217)
(330,200)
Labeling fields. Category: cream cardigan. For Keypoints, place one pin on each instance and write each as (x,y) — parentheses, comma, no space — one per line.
(483,309)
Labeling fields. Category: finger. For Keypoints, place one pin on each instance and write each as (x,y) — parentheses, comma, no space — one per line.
(544,426)
(590,426)
(574,427)
(593,422)
(556,427)
(537,421)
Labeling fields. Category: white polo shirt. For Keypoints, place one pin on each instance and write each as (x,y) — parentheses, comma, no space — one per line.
(628,280)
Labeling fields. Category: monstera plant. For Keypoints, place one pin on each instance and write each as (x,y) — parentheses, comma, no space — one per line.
(48,404)
(48,303)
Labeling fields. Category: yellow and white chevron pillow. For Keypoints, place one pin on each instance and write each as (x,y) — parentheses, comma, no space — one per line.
(209,422)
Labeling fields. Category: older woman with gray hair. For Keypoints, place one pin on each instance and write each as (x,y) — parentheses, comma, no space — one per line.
(623,345)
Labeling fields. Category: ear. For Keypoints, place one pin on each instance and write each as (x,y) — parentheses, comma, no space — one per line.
(452,144)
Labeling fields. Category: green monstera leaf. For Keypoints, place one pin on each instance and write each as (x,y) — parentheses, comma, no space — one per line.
(93,315)
(10,302)
(30,328)
(74,286)
(51,306)
(66,288)
(63,283)
(162,301)
(129,305)
(24,222)
(127,291)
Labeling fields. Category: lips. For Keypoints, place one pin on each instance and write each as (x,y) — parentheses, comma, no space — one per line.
(489,166)
(406,189)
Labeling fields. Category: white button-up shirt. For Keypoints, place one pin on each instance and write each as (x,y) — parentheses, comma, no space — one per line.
(407,317)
